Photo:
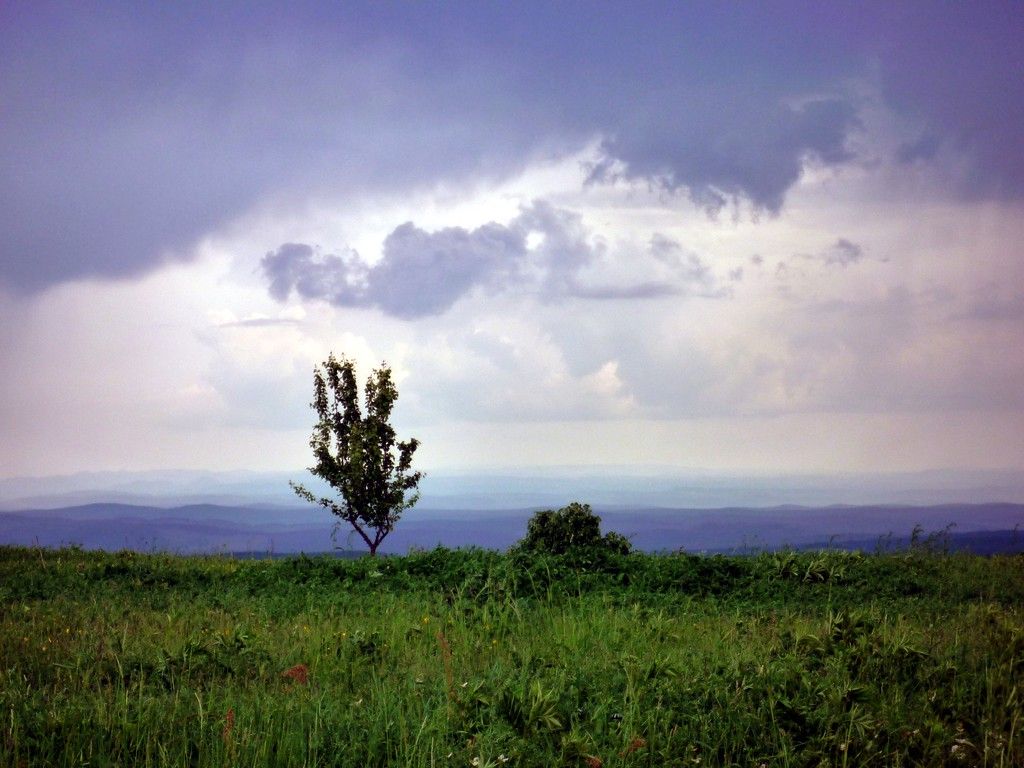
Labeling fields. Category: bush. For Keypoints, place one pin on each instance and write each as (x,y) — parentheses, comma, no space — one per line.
(574,527)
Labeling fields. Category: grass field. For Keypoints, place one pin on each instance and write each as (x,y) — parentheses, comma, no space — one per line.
(476,658)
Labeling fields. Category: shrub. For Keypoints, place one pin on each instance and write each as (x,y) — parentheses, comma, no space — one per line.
(571,528)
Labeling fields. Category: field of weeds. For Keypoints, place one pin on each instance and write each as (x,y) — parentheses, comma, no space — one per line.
(478,658)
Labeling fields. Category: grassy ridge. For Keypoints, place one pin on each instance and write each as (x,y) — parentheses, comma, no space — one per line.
(479,658)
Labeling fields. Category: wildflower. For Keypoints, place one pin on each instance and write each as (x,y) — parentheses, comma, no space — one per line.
(229,725)
(299,674)
(634,745)
(426,619)
(593,761)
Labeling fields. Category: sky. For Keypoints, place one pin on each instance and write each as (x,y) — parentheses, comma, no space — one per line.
(763,238)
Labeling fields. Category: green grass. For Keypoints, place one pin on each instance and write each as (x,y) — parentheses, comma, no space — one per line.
(463,658)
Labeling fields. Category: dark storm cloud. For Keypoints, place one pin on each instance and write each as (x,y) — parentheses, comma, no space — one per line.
(719,161)
(129,132)
(126,135)
(957,70)
(922,149)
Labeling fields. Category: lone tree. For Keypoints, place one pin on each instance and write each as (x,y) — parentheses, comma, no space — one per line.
(357,454)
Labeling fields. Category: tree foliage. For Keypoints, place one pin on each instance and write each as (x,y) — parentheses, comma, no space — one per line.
(356,451)
(573,527)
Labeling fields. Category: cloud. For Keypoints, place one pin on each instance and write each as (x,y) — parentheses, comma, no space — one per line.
(296,266)
(956,73)
(665,249)
(544,249)
(424,273)
(720,159)
(992,305)
(923,149)
(647,290)
(477,370)
(688,268)
(261,322)
(843,253)
(129,135)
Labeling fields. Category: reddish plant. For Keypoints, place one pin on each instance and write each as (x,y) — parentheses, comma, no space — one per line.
(229,725)
(634,745)
(299,674)
(446,658)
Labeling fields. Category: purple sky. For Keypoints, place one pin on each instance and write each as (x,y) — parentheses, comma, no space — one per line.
(779,237)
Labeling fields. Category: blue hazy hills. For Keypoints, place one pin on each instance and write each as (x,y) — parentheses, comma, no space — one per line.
(190,512)
(984,528)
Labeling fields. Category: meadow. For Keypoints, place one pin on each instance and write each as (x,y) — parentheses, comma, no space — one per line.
(480,658)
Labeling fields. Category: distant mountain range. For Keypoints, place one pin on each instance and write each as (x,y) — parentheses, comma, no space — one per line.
(658,508)
(529,488)
(984,528)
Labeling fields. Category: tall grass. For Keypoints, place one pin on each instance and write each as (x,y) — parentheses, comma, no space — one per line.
(477,658)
